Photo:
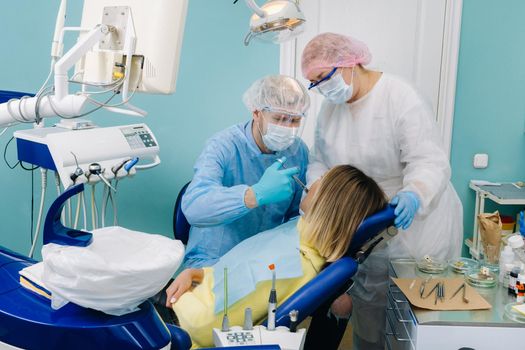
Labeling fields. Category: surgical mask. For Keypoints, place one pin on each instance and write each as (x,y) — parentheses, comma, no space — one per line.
(336,90)
(279,138)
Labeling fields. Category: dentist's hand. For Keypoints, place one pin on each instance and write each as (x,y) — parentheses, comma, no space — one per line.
(275,184)
(407,204)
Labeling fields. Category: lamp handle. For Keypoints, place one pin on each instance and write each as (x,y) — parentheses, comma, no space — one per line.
(251,4)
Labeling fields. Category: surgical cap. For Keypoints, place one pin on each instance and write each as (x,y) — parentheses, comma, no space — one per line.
(279,93)
(330,50)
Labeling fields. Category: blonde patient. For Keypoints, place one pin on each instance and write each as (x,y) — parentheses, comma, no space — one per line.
(333,210)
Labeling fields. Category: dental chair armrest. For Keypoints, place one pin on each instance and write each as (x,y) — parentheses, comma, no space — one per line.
(332,280)
(180,339)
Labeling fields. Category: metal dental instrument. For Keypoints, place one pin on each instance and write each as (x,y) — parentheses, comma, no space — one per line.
(440,292)
(423,285)
(431,291)
(412,284)
(78,171)
(96,169)
(299,182)
(463,286)
(225,322)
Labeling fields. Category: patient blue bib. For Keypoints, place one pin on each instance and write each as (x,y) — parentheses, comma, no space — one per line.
(248,262)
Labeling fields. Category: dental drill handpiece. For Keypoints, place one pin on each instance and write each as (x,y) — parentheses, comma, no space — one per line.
(115,169)
(130,164)
(96,169)
(295,177)
(272,301)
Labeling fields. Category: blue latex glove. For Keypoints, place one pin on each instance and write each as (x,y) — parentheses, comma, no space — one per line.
(522,224)
(407,204)
(275,184)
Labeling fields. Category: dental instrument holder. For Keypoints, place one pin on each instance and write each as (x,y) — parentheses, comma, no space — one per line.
(259,335)
(55,232)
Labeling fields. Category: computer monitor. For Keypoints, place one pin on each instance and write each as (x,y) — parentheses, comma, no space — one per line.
(158,27)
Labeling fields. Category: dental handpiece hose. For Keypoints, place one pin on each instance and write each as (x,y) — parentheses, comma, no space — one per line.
(272,301)
(295,177)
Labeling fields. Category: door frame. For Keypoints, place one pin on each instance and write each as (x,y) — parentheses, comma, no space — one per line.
(448,75)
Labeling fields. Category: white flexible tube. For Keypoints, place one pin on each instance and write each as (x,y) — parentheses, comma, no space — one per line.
(84,210)
(103,210)
(43,176)
(56,48)
(94,210)
(69,213)
(113,197)
(77,212)
(57,184)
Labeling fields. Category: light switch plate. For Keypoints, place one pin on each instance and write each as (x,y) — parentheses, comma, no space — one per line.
(481,160)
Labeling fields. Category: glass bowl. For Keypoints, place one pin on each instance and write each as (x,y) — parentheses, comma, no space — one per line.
(512,314)
(462,265)
(431,265)
(481,277)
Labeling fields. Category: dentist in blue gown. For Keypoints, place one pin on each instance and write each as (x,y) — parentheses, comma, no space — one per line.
(240,186)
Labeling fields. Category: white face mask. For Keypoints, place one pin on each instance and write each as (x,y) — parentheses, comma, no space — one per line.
(279,138)
(336,90)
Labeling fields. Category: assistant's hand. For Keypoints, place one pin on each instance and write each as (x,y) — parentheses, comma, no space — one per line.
(407,204)
(275,184)
(180,285)
(342,306)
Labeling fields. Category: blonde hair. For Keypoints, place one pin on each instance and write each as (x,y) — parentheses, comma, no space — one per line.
(346,196)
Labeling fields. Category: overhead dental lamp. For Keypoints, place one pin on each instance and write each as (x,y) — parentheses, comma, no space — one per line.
(276,21)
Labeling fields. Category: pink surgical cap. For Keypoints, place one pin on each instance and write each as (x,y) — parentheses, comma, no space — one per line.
(330,50)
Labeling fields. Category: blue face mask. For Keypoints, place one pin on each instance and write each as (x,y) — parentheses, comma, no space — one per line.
(336,90)
(278,138)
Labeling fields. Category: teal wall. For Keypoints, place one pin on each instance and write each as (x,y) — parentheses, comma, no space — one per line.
(215,70)
(490,98)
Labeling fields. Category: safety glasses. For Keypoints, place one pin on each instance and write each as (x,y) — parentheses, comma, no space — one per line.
(328,76)
(283,118)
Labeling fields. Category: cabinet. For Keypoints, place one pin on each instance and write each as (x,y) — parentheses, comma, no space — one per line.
(410,328)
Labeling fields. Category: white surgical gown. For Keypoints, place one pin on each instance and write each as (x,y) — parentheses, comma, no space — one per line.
(214,201)
(390,135)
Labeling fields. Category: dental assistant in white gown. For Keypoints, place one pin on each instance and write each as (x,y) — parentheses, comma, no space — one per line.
(378,123)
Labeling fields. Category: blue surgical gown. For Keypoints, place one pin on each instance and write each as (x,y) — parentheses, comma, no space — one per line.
(214,201)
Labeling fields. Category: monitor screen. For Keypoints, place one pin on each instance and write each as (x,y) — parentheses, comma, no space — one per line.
(158,27)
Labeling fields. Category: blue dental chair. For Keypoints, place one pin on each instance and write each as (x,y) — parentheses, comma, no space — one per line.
(27,320)
(315,297)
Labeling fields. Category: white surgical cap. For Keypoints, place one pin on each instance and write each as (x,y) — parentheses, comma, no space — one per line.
(330,50)
(277,92)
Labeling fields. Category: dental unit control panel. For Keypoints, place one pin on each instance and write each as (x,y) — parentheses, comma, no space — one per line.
(69,151)
(259,335)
